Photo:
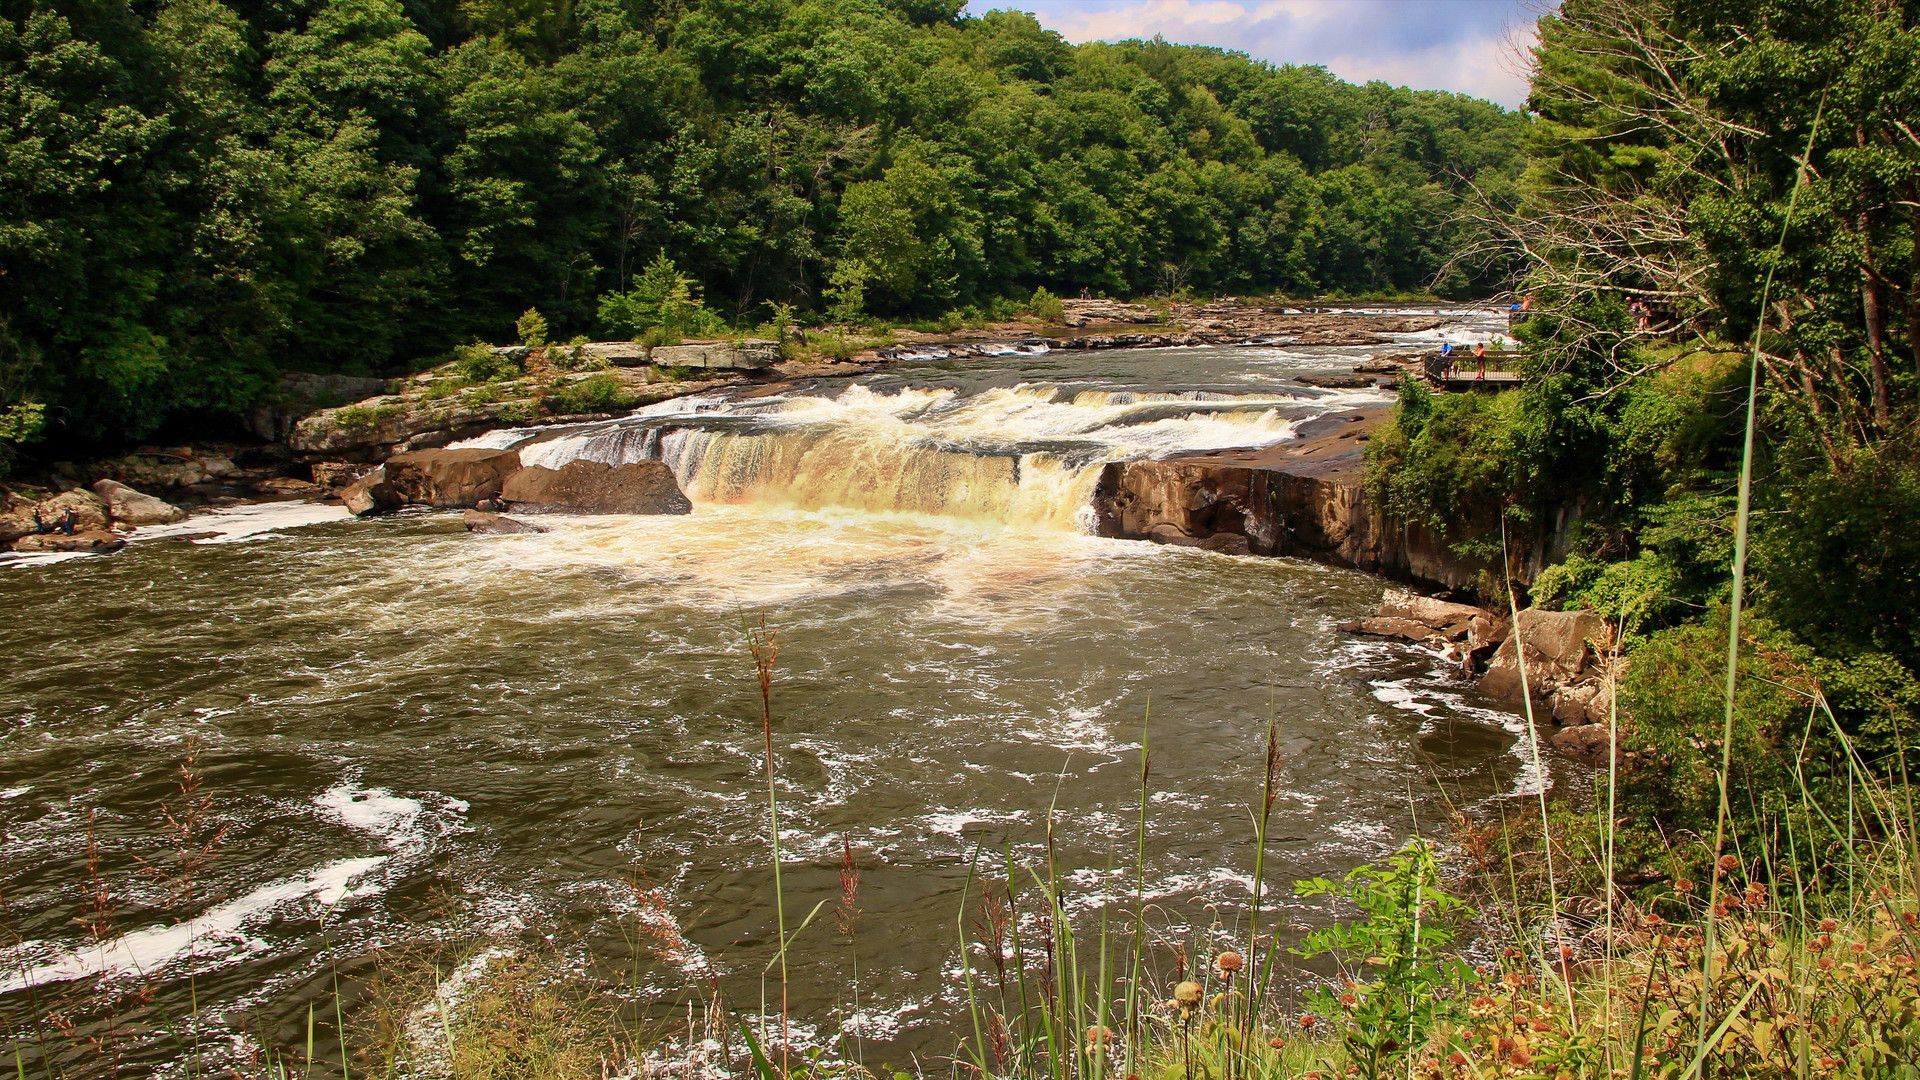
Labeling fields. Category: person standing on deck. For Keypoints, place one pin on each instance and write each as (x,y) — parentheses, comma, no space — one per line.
(1480,354)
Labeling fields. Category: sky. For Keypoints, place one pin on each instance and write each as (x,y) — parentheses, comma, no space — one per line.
(1462,45)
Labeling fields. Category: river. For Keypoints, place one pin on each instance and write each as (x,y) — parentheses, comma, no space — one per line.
(413,734)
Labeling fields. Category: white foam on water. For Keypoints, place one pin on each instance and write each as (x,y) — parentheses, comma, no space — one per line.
(219,934)
(239,523)
(393,819)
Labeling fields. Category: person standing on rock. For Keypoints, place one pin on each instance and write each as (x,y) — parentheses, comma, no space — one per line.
(67,518)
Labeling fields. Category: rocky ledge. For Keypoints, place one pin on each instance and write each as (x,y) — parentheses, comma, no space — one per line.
(1568,668)
(79,520)
(491,481)
(512,386)
(1302,497)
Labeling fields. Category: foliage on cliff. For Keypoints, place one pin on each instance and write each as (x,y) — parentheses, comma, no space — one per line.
(1663,173)
(197,194)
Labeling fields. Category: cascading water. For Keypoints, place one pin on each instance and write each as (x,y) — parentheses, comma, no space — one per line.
(1026,455)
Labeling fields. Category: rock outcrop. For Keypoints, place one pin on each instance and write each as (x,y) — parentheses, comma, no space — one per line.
(588,487)
(1568,667)
(73,511)
(450,479)
(129,507)
(1300,498)
(371,494)
(717,355)
(1558,647)
(481,521)
(83,542)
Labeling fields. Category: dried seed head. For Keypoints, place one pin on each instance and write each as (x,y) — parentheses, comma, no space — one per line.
(1187,993)
(1728,864)
(1098,1036)
(1229,962)
(1828,926)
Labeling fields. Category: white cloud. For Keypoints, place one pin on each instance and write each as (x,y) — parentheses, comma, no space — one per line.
(1470,46)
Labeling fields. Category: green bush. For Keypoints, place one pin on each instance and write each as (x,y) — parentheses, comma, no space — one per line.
(478,363)
(531,327)
(1674,692)
(595,393)
(351,417)
(1408,921)
(662,306)
(1045,306)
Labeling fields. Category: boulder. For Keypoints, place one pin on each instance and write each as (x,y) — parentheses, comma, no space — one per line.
(1571,704)
(334,475)
(1224,543)
(718,355)
(287,487)
(89,510)
(1600,709)
(1437,614)
(371,494)
(480,521)
(1559,646)
(87,541)
(617,353)
(450,478)
(588,487)
(1590,743)
(130,507)
(16,521)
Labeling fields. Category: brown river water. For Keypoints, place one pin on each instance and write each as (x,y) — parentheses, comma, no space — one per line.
(410,734)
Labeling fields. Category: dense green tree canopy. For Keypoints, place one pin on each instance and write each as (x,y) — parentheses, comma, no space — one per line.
(198,194)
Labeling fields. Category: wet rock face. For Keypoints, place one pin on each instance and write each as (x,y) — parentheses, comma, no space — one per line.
(481,521)
(85,542)
(130,507)
(450,478)
(371,494)
(588,487)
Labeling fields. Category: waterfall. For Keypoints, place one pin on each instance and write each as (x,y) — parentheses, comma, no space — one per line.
(1026,455)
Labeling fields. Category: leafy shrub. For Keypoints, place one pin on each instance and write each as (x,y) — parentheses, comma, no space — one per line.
(481,395)
(662,305)
(847,289)
(531,328)
(351,417)
(1408,922)
(595,393)
(478,363)
(441,388)
(1045,306)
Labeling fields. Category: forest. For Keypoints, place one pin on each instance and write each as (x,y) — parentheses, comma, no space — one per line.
(197,195)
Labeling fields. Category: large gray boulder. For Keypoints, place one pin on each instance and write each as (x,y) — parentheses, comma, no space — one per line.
(588,487)
(450,479)
(130,507)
